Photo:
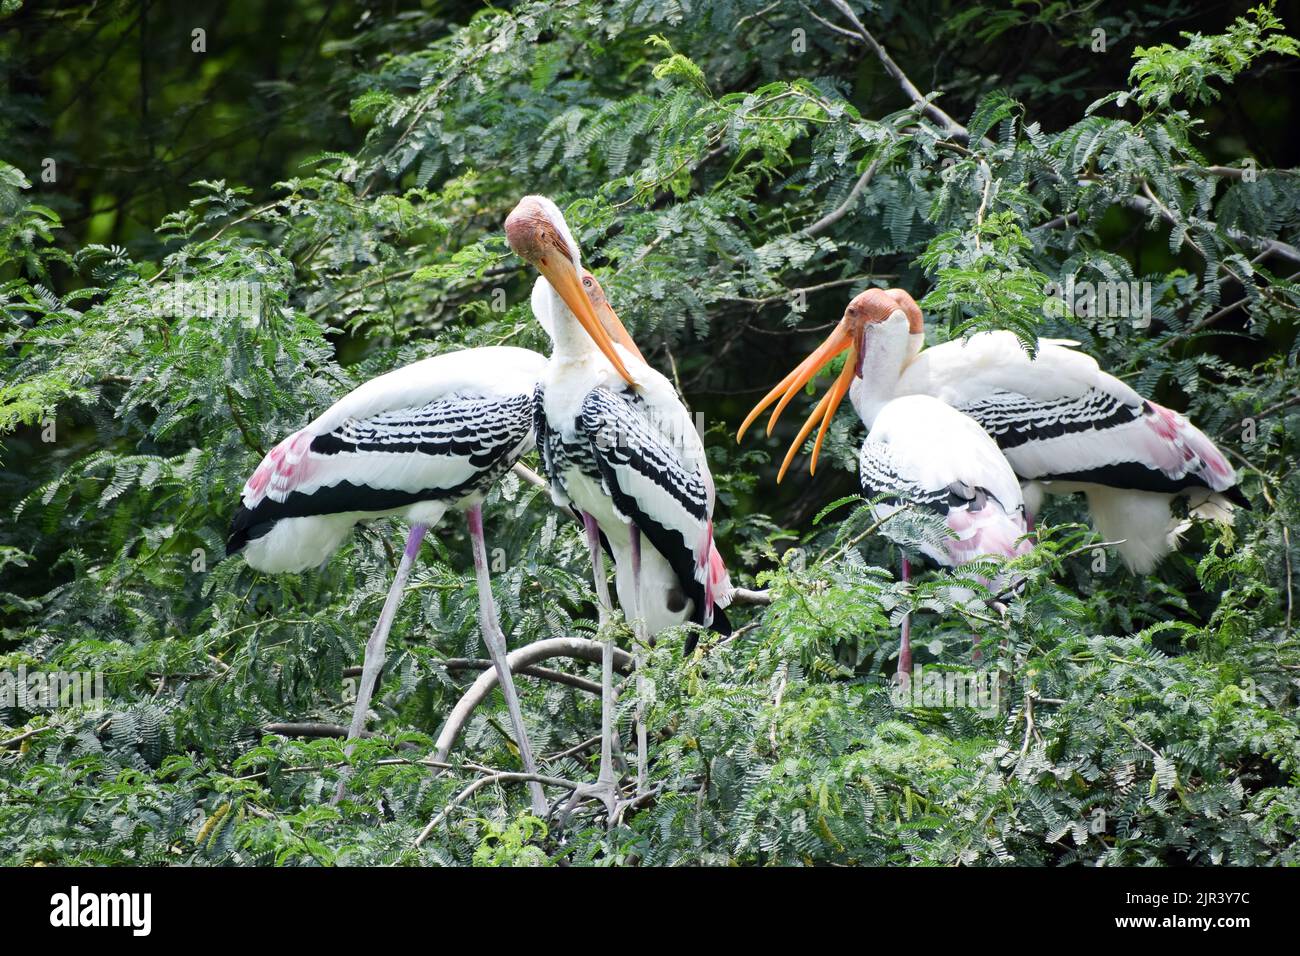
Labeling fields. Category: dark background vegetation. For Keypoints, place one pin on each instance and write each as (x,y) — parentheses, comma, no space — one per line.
(378,148)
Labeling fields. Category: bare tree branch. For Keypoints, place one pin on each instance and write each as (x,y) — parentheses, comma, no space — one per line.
(12,741)
(531,477)
(746,596)
(950,126)
(577,648)
(482,663)
(840,211)
(310,730)
(482,782)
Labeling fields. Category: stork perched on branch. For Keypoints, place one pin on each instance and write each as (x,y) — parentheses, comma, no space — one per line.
(417,442)
(919,451)
(1063,424)
(620,448)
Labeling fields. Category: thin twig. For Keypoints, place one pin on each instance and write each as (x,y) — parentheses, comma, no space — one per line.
(482,782)
(840,211)
(252,443)
(874,527)
(572,751)
(6,744)
(950,126)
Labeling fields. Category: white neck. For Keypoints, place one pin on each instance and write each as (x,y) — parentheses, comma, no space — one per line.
(570,339)
(886,348)
(915,342)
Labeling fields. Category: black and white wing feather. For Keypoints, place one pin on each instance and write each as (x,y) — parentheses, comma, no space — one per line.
(661,483)
(925,454)
(432,433)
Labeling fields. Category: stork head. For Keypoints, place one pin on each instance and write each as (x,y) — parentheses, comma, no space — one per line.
(538,234)
(869,311)
(605,314)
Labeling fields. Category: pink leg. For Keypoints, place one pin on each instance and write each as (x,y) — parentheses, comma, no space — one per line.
(605,781)
(495,640)
(639,637)
(374,659)
(905,645)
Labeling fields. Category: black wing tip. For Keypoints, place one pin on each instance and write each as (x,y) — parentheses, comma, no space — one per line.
(721,626)
(246,525)
(1237,497)
(240,531)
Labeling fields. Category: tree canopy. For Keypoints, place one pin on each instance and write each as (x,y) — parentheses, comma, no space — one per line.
(734,171)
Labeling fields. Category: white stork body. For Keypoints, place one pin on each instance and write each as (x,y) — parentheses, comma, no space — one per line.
(415,442)
(1063,424)
(619,448)
(927,454)
(1067,426)
(931,456)
(919,451)
(630,456)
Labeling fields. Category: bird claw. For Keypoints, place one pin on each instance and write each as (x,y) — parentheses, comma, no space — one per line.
(606,792)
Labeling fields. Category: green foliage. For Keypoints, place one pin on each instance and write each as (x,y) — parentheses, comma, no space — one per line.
(1167,71)
(731,193)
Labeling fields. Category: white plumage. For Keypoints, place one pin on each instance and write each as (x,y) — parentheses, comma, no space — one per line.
(1062,423)
(619,448)
(934,457)
(624,453)
(414,442)
(919,451)
(1067,426)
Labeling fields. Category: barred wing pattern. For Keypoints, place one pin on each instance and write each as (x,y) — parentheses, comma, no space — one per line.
(660,483)
(1100,438)
(1058,417)
(928,455)
(442,451)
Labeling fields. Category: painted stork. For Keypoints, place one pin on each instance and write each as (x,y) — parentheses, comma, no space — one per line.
(619,448)
(415,442)
(921,452)
(1064,426)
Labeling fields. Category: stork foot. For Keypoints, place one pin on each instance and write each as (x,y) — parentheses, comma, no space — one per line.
(606,793)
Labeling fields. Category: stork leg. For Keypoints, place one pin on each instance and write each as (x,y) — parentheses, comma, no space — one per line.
(638,657)
(905,644)
(605,783)
(495,640)
(375,646)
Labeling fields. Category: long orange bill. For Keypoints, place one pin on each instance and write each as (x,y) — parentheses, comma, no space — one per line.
(614,326)
(839,340)
(824,412)
(564,279)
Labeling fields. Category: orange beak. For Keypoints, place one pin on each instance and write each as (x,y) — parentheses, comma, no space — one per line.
(532,233)
(873,305)
(840,339)
(563,278)
(606,315)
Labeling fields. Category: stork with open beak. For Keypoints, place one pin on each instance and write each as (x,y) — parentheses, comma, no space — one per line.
(1066,426)
(620,448)
(921,452)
